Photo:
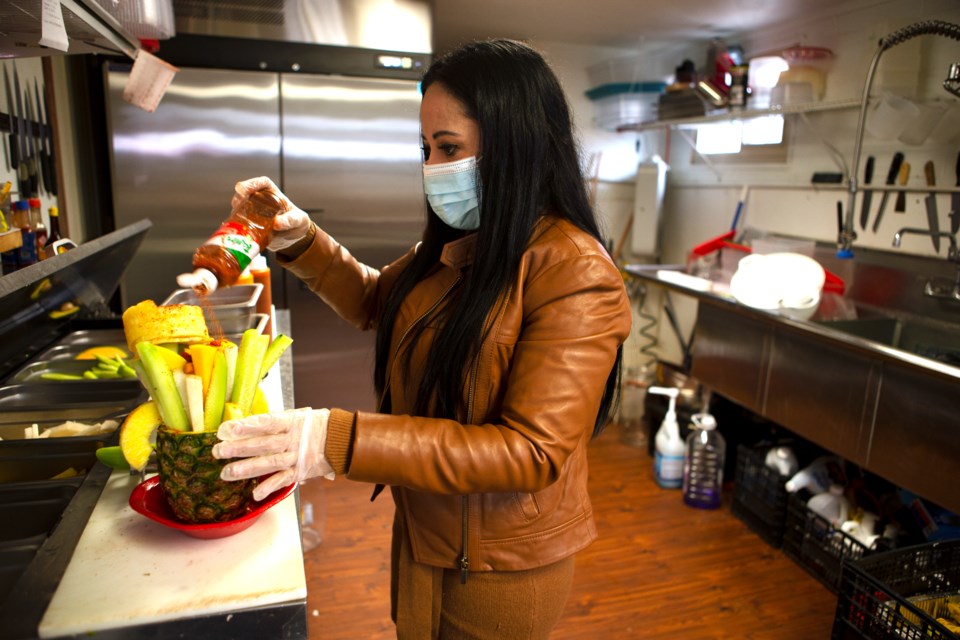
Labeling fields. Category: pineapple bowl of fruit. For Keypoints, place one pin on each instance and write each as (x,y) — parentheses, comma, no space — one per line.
(195,383)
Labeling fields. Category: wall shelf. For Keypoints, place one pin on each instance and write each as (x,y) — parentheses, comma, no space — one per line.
(744,114)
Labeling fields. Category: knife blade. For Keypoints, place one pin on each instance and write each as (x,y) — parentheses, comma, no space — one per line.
(23,172)
(931,201)
(14,131)
(43,169)
(48,147)
(867,193)
(901,204)
(31,149)
(955,204)
(891,179)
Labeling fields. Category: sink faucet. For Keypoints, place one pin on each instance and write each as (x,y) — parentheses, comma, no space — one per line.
(949,291)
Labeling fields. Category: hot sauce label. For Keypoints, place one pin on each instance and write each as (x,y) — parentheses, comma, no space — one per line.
(236,239)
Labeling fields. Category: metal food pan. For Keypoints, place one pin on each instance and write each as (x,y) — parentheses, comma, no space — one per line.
(14,441)
(232,308)
(108,396)
(258,322)
(32,468)
(71,351)
(35,371)
(28,518)
(95,337)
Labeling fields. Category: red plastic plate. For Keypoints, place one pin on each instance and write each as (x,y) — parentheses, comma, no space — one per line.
(148,500)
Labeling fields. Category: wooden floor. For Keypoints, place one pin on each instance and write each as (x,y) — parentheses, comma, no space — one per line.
(660,569)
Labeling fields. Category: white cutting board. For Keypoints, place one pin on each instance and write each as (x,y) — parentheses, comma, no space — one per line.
(128,570)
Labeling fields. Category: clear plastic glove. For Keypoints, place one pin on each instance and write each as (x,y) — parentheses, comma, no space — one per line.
(289,445)
(287,227)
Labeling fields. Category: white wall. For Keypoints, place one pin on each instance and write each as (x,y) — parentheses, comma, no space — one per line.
(700,203)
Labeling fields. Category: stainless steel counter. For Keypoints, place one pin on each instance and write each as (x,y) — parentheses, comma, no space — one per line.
(868,389)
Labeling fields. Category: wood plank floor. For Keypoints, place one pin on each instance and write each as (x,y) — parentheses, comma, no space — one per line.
(660,569)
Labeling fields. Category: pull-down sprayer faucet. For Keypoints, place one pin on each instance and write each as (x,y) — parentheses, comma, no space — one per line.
(937,289)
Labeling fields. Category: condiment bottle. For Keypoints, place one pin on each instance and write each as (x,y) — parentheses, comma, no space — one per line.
(39,229)
(230,250)
(21,219)
(55,233)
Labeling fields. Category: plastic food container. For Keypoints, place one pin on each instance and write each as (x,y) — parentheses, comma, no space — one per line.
(620,104)
(232,308)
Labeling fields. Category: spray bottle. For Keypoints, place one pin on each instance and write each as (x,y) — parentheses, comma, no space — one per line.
(669,447)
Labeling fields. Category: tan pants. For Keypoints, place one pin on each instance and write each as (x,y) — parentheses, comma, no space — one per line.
(429,602)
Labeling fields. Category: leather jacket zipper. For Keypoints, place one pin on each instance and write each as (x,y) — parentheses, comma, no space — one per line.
(465,500)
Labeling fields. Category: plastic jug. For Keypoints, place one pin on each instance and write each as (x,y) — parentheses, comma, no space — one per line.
(668,446)
(703,462)
(831,505)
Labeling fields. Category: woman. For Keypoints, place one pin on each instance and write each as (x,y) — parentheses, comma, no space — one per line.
(497,359)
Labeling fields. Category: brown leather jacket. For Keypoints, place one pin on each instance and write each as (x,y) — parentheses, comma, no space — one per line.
(506,488)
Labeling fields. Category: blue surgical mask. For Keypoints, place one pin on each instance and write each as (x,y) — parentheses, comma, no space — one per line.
(451,190)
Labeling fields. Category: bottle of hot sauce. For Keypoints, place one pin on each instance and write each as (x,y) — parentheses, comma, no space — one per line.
(230,250)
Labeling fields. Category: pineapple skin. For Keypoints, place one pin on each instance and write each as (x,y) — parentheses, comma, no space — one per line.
(190,478)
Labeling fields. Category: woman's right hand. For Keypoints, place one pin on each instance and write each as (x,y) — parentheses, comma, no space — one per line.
(288,227)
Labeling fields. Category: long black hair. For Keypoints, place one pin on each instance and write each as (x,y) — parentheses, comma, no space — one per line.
(529,163)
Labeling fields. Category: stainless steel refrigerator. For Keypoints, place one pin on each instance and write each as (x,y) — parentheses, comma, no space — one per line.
(344,149)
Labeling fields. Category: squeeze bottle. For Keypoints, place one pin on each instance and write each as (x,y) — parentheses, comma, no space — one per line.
(703,463)
(668,446)
(230,250)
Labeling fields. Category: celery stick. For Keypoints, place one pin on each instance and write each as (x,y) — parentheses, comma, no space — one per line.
(252,347)
(194,385)
(216,394)
(161,379)
(280,344)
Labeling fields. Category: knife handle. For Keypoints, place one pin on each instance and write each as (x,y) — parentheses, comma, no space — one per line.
(894,168)
(958,169)
(929,172)
(868,171)
(904,174)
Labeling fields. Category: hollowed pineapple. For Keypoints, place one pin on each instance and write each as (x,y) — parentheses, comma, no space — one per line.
(190,478)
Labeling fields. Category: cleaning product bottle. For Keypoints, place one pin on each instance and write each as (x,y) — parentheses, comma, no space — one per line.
(831,505)
(818,475)
(703,461)
(230,250)
(669,448)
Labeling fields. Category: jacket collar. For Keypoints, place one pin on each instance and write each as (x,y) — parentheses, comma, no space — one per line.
(459,253)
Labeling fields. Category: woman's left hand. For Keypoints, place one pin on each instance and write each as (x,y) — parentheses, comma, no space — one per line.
(288,445)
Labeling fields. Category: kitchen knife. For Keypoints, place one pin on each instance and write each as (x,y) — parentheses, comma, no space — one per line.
(31,149)
(24,172)
(50,163)
(14,142)
(42,149)
(867,193)
(891,178)
(901,204)
(955,204)
(931,202)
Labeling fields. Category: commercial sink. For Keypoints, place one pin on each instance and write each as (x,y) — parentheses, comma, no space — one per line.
(928,339)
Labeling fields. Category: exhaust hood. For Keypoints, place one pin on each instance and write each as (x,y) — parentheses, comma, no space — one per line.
(390,25)
(90,29)
(386,25)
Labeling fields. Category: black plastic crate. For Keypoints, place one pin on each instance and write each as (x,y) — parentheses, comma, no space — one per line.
(873,593)
(759,496)
(815,544)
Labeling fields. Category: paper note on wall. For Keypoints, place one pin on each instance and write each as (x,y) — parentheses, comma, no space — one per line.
(148,81)
(53,33)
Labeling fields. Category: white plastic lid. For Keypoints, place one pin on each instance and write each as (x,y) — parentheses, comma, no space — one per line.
(200,279)
(259,263)
(704,421)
